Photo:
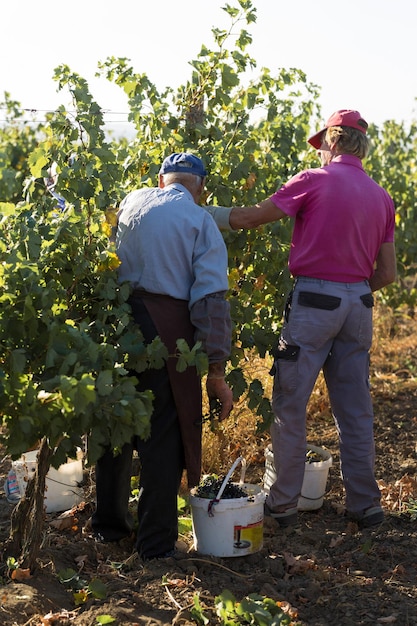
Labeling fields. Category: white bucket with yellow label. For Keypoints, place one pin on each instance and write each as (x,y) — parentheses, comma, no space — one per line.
(229,527)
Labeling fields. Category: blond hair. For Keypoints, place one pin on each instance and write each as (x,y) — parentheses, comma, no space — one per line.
(348,140)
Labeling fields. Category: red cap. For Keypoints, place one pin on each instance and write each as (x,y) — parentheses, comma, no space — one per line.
(344,117)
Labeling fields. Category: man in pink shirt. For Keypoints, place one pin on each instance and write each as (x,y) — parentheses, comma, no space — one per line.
(342,250)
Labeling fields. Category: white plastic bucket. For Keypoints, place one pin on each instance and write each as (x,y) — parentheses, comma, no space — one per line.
(61,487)
(229,527)
(315,477)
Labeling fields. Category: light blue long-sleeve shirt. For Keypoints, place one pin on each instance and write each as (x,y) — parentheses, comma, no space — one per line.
(170,245)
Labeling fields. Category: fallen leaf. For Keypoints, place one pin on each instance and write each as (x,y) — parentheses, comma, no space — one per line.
(336,541)
(289,558)
(50,619)
(20,574)
(64,522)
(398,570)
(297,564)
(81,560)
(175,582)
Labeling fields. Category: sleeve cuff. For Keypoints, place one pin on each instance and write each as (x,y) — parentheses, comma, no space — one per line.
(221,215)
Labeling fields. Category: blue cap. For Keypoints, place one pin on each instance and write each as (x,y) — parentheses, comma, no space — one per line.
(183,162)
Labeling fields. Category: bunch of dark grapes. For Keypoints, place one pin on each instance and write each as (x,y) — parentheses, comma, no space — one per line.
(313,457)
(210,485)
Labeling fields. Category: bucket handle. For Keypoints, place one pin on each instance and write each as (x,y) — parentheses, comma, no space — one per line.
(226,480)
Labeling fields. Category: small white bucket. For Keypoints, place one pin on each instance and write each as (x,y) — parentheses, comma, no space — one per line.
(61,487)
(315,477)
(232,526)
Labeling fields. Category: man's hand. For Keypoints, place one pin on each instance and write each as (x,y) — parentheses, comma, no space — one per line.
(219,390)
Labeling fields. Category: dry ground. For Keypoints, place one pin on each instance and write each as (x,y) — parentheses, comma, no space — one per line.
(326,571)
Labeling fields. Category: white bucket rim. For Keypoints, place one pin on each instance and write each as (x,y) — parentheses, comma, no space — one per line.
(324,452)
(255,495)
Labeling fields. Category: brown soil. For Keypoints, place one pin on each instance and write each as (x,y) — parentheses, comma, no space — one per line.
(324,571)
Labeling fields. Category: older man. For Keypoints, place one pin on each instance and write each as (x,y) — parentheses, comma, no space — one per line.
(175,260)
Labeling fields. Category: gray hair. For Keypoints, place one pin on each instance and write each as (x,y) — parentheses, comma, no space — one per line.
(183,178)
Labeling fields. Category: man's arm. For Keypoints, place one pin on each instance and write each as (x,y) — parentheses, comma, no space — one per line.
(253,216)
(221,216)
(211,318)
(245,216)
(386,267)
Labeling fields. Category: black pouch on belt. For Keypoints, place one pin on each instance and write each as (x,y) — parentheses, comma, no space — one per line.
(318,300)
(284,351)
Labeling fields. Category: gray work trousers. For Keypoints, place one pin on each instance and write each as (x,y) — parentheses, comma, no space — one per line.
(327,326)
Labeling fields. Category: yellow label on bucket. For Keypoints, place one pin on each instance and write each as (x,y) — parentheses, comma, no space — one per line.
(248,538)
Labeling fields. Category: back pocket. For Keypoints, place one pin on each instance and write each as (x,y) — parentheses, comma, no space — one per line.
(318,301)
(368,300)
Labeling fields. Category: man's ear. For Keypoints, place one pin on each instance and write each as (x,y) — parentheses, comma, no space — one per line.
(161,183)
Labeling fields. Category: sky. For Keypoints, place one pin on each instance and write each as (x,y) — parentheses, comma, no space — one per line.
(361,54)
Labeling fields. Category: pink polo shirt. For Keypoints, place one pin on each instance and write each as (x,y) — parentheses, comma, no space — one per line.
(342,217)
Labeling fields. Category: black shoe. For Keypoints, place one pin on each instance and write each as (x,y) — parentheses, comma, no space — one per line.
(286,519)
(162,555)
(374,516)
